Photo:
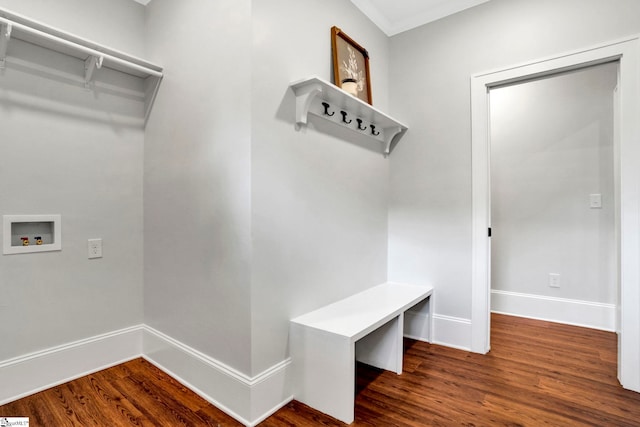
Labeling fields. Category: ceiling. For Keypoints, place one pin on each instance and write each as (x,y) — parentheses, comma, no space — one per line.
(396,16)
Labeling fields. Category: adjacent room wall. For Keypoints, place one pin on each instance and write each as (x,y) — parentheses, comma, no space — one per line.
(551,147)
(430,207)
(319,201)
(75,152)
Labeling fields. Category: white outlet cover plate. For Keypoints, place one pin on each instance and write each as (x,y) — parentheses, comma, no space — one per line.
(94,248)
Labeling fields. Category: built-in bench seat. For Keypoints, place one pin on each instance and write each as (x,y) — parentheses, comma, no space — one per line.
(369,327)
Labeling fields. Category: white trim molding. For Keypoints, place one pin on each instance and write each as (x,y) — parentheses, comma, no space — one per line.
(34,372)
(415,15)
(560,310)
(249,400)
(452,332)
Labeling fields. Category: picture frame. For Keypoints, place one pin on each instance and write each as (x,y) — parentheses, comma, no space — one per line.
(350,65)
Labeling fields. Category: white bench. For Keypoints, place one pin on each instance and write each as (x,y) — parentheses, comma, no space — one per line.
(368,327)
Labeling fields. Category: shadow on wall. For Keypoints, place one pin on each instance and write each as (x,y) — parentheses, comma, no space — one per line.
(112,98)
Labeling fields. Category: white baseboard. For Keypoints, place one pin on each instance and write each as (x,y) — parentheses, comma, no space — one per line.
(31,373)
(249,400)
(452,332)
(270,391)
(573,312)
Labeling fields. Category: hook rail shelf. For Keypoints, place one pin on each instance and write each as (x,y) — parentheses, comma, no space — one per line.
(95,56)
(323,99)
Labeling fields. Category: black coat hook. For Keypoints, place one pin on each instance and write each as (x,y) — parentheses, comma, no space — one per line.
(344,117)
(326,109)
(373,131)
(360,125)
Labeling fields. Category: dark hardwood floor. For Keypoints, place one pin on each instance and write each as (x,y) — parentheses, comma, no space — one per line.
(537,374)
(135,393)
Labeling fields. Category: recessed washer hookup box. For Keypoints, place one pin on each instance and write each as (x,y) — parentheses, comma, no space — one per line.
(31,233)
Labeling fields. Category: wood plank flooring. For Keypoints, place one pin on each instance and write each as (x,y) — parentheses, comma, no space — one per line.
(135,393)
(537,374)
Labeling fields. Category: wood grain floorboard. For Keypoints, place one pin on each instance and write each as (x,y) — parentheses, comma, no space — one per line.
(536,374)
(135,393)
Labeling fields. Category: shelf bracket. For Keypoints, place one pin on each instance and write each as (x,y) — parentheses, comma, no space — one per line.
(389,135)
(90,65)
(304,98)
(5,35)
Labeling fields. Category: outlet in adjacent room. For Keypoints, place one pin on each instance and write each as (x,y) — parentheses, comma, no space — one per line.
(554,280)
(595,201)
(95,248)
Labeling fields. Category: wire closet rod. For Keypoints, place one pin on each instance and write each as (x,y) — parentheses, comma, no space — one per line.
(81,48)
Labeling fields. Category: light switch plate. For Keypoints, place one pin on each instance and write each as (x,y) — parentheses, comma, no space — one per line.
(595,201)
(554,280)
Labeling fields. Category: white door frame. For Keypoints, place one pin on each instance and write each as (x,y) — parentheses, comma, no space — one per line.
(627,150)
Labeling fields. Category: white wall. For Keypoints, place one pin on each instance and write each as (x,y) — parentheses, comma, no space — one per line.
(430,208)
(551,147)
(75,152)
(319,203)
(118,24)
(197,178)
(249,222)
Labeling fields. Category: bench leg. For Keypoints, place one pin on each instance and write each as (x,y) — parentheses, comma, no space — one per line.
(324,371)
(383,348)
(418,321)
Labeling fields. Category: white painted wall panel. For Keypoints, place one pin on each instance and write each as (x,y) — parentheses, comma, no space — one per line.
(319,202)
(78,153)
(197,178)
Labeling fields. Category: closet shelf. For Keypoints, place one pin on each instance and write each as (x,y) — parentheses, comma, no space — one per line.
(325,100)
(95,56)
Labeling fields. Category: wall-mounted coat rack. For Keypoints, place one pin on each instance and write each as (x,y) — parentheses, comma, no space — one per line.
(95,56)
(323,99)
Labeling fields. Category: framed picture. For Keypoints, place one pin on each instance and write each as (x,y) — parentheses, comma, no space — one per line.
(350,65)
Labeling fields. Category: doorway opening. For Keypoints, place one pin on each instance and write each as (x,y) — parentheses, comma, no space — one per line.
(553,198)
(626,177)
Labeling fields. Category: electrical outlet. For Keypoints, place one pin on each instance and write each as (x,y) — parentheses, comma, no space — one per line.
(94,247)
(554,280)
